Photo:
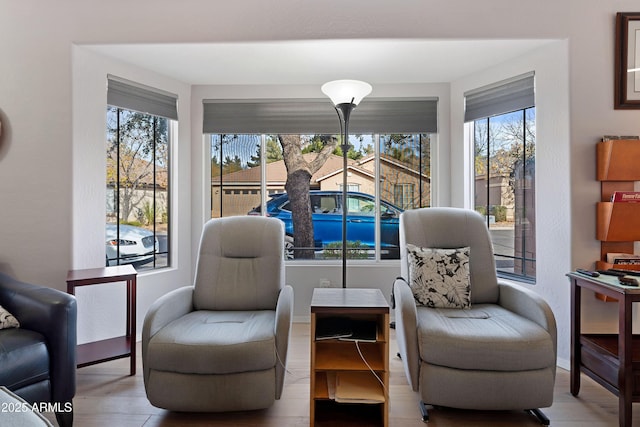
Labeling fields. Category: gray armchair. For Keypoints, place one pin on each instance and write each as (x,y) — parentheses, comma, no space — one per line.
(497,354)
(221,344)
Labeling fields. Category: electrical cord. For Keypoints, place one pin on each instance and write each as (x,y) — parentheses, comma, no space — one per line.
(369,366)
(282,363)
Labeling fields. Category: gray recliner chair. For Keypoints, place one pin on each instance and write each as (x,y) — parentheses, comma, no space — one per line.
(221,344)
(499,352)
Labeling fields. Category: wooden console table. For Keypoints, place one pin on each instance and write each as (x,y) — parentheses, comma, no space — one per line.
(112,348)
(339,361)
(612,360)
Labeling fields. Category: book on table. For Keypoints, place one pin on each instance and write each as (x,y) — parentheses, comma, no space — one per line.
(358,387)
(625,197)
(623,258)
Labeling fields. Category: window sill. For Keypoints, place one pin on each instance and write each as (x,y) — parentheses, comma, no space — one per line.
(516,279)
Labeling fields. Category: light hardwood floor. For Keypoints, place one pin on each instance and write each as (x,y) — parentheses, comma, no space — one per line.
(107,397)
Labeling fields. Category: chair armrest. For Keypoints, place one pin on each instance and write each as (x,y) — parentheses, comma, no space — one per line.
(284,314)
(53,314)
(407,330)
(530,305)
(164,310)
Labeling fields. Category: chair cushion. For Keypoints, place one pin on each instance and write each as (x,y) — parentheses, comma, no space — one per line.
(240,264)
(215,342)
(439,277)
(485,337)
(20,417)
(24,358)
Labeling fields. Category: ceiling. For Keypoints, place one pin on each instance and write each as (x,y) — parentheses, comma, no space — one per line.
(315,62)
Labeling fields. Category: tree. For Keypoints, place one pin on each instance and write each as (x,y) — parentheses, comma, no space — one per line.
(299,173)
(231,164)
(215,166)
(481,146)
(318,142)
(500,144)
(505,152)
(137,144)
(274,150)
(255,158)
(504,143)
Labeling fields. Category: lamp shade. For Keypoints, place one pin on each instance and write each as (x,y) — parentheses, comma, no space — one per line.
(346,91)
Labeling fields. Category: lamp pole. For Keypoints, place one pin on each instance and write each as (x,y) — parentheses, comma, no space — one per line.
(344,110)
(345,95)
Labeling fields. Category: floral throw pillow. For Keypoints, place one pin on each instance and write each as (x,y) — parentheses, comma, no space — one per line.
(7,320)
(439,278)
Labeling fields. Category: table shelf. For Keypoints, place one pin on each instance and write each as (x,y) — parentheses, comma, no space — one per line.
(600,360)
(113,348)
(344,356)
(102,351)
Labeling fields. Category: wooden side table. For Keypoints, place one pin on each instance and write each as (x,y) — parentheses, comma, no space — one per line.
(609,359)
(340,360)
(112,348)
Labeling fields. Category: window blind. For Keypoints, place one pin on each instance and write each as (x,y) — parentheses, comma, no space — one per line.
(502,97)
(296,116)
(137,97)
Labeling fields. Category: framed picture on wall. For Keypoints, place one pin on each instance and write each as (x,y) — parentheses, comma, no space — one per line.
(627,72)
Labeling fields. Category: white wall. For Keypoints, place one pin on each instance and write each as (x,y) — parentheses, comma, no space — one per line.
(101,309)
(592,116)
(553,243)
(38,181)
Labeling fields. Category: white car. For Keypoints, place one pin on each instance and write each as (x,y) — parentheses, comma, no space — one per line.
(137,245)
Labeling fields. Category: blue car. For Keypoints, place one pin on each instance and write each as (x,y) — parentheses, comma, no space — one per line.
(327,220)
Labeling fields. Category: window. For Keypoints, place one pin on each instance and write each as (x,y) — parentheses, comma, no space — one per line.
(403,195)
(360,205)
(405,162)
(350,187)
(137,179)
(234,191)
(504,172)
(258,159)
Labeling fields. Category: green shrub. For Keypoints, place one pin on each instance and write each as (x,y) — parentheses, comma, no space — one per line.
(147,214)
(355,250)
(500,212)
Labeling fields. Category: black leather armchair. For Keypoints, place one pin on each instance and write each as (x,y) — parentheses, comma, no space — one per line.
(38,360)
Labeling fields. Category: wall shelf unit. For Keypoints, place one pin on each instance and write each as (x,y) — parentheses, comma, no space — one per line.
(617,224)
(617,160)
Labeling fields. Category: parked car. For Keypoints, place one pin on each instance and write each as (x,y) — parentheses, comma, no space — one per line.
(327,220)
(137,245)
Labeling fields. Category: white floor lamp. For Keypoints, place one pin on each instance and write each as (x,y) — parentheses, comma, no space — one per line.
(345,95)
